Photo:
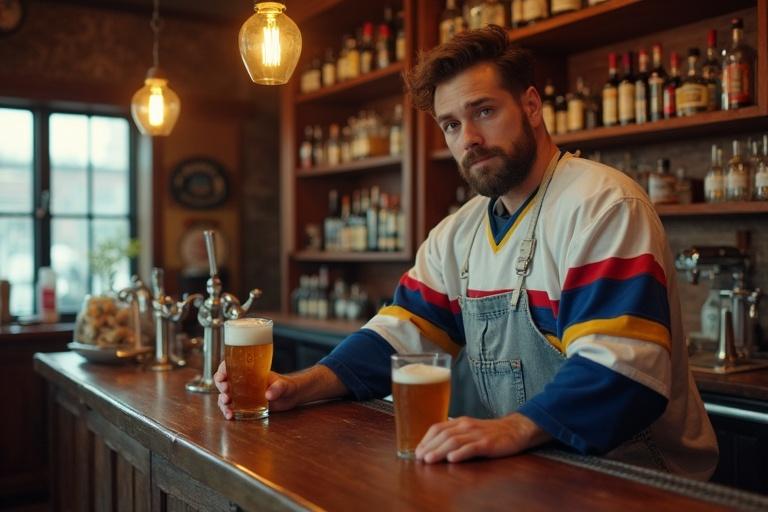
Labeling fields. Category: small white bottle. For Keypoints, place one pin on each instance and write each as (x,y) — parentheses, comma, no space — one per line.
(46,296)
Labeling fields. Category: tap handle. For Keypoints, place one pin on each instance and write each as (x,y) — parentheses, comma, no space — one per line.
(252,295)
(158,278)
(210,245)
(183,306)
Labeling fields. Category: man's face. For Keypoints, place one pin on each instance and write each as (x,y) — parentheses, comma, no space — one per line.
(486,130)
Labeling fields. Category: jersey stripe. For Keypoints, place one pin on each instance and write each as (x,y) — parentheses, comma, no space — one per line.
(614,268)
(624,326)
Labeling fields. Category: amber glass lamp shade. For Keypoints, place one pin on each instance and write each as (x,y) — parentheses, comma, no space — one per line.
(155,107)
(270,44)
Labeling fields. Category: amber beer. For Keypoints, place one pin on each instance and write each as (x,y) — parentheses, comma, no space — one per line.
(421,388)
(248,354)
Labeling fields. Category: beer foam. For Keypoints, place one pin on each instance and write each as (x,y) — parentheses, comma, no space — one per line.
(419,373)
(248,331)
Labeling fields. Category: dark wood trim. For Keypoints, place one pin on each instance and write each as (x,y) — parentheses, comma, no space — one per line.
(717,209)
(371,85)
(349,257)
(366,164)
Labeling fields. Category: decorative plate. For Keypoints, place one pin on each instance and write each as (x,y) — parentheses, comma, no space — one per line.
(199,183)
(107,355)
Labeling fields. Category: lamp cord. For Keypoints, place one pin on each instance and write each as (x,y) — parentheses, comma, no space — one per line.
(156,24)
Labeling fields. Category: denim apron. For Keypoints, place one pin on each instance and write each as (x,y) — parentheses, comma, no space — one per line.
(506,360)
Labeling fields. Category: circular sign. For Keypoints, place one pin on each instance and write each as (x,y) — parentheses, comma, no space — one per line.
(11,15)
(199,183)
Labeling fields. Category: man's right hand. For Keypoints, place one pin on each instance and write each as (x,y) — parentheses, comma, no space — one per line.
(281,391)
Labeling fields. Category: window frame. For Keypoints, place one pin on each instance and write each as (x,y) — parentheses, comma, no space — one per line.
(41,180)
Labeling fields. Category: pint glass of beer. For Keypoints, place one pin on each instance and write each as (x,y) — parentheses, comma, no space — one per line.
(248,353)
(421,388)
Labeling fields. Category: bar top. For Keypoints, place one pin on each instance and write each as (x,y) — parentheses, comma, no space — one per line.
(332,455)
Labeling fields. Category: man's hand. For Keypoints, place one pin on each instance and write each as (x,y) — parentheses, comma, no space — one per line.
(286,391)
(464,438)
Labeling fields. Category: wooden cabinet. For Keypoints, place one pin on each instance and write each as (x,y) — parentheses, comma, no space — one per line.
(566,47)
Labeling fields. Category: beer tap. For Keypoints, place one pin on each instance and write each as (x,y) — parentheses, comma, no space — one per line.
(134,295)
(213,312)
(167,313)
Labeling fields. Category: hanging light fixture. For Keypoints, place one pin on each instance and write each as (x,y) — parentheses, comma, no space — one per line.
(270,44)
(155,107)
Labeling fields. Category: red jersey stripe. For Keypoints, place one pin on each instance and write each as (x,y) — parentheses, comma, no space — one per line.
(614,268)
(431,296)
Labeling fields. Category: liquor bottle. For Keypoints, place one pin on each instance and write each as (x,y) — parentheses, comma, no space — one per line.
(323,302)
(493,13)
(737,178)
(577,107)
(331,224)
(366,48)
(302,298)
(712,72)
(761,174)
(329,68)
(338,299)
(753,163)
(318,153)
(595,2)
(400,37)
(561,115)
(396,132)
(548,107)
(314,75)
(383,222)
(611,94)
(661,184)
(353,58)
(383,56)
(372,220)
(656,82)
(714,182)
(345,238)
(535,10)
(627,91)
(564,6)
(333,146)
(693,93)
(670,87)
(451,22)
(358,237)
(341,61)
(346,144)
(392,223)
(738,70)
(305,149)
(641,88)
(312,297)
(516,19)
(391,23)
(683,187)
(592,111)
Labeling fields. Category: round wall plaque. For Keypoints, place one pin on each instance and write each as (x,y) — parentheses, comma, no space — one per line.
(199,183)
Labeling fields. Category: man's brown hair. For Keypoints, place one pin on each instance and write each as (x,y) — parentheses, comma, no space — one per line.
(489,44)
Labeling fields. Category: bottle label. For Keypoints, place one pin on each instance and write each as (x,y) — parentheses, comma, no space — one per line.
(548,113)
(48,299)
(575,115)
(610,106)
(670,103)
(559,6)
(447,30)
(737,181)
(692,98)
(626,102)
(736,79)
(329,74)
(714,185)
(517,12)
(761,178)
(534,9)
(656,97)
(661,189)
(561,118)
(641,102)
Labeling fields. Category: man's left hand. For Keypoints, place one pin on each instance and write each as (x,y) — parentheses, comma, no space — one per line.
(464,438)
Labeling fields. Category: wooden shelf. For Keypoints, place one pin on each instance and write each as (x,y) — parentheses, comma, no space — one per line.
(350,257)
(719,209)
(373,85)
(367,164)
(618,20)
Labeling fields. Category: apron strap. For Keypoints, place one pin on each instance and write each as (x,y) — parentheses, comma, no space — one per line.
(528,245)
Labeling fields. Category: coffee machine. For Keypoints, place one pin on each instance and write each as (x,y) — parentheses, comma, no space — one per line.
(726,268)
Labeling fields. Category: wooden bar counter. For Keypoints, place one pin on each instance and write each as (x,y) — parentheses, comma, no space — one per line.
(128,439)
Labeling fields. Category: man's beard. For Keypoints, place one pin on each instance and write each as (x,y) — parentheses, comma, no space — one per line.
(495,181)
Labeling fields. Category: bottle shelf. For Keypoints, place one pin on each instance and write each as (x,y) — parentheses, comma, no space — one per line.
(617,20)
(350,257)
(719,209)
(366,164)
(370,86)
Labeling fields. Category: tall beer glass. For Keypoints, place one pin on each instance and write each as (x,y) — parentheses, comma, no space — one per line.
(248,353)
(421,388)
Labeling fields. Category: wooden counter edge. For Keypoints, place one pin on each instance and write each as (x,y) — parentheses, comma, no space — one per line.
(246,489)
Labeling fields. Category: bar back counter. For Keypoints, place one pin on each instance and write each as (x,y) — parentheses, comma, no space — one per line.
(127,439)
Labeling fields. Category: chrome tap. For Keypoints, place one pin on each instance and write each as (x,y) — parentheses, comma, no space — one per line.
(135,296)
(214,311)
(167,313)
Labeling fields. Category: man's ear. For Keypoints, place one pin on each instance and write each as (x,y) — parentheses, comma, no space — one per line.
(530,102)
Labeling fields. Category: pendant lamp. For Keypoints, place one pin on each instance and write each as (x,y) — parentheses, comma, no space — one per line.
(155,107)
(270,44)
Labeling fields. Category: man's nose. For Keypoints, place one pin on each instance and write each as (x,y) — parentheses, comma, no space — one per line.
(472,136)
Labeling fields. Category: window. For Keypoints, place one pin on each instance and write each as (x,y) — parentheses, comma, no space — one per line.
(66,185)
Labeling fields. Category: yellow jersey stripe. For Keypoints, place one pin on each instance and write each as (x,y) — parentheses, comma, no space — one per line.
(555,342)
(625,326)
(489,232)
(427,328)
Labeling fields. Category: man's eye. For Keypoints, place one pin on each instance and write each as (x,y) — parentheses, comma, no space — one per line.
(450,127)
(485,112)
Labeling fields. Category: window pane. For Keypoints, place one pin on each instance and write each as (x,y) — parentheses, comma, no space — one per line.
(109,158)
(17,263)
(69,258)
(69,161)
(118,231)
(16,160)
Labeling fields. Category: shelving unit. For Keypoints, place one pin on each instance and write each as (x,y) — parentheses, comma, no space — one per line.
(350,257)
(702,209)
(367,164)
